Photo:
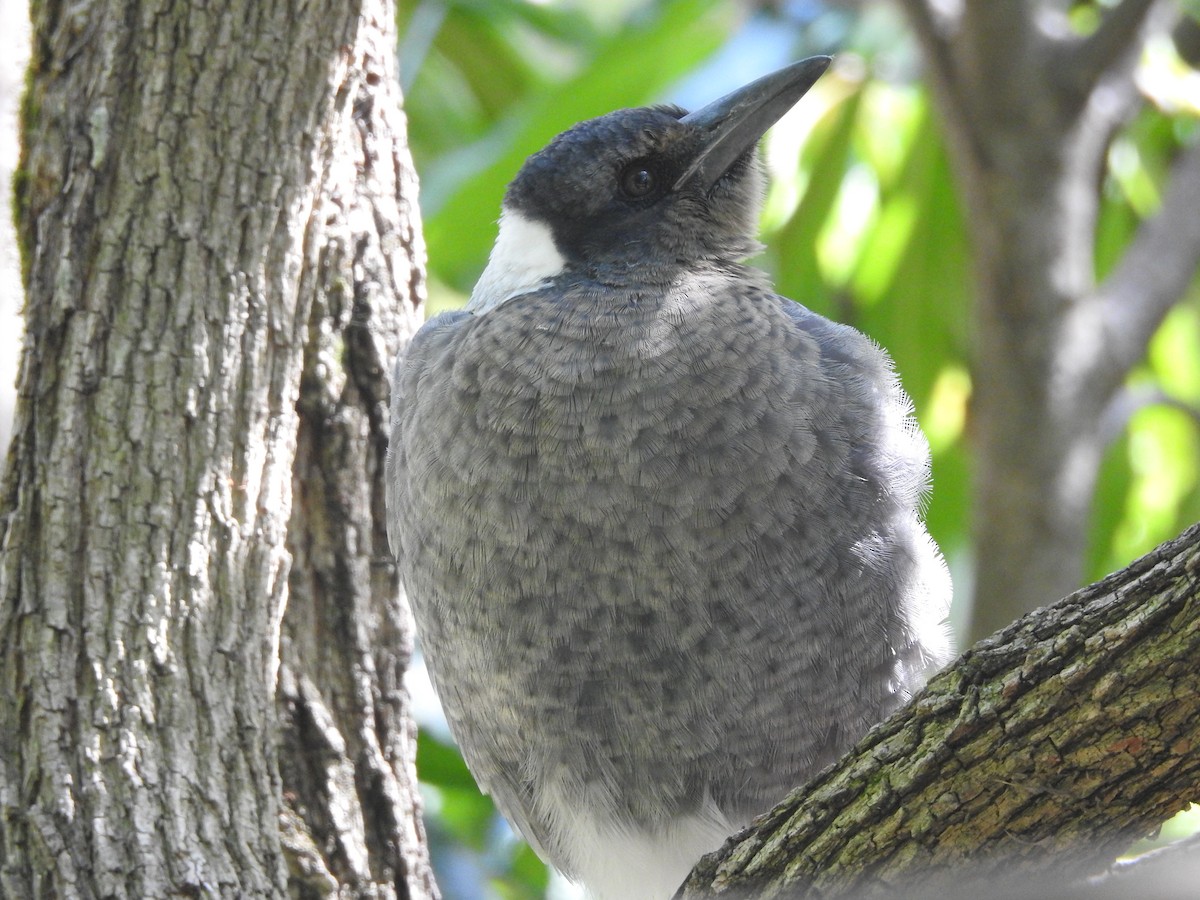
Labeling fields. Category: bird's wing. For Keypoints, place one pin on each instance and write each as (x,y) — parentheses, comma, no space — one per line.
(894,453)
(874,404)
(416,384)
(412,366)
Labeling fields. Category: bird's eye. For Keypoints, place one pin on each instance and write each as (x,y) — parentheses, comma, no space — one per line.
(638,180)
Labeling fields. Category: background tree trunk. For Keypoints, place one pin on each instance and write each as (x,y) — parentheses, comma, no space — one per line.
(1030,109)
(221,252)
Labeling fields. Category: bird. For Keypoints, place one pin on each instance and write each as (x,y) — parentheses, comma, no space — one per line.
(661,529)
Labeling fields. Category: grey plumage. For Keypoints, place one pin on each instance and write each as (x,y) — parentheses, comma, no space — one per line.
(659,526)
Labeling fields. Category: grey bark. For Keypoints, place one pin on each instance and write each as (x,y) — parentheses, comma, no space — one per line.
(221,251)
(1036,757)
(349,742)
(14,53)
(1030,109)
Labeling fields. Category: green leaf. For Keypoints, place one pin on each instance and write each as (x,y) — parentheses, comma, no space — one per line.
(468,815)
(921,313)
(441,765)
(1108,509)
(794,246)
(526,878)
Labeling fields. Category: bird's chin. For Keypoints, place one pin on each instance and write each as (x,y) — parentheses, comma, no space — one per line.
(736,199)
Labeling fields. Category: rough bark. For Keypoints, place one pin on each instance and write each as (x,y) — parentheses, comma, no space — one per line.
(348,740)
(1044,751)
(1030,109)
(201,255)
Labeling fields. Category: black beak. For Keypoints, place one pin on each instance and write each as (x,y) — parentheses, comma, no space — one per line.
(733,124)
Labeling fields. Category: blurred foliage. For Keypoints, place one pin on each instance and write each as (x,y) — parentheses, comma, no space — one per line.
(472,845)
(862,223)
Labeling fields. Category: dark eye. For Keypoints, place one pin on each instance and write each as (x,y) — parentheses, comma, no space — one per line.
(638,180)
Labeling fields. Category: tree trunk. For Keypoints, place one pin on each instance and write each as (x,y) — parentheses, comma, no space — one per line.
(1030,109)
(221,252)
(1040,754)
(349,742)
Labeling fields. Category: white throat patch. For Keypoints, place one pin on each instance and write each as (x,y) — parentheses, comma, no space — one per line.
(523,259)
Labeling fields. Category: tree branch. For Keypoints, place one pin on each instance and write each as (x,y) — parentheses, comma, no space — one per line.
(1132,399)
(1090,58)
(1186,37)
(936,31)
(1154,272)
(932,30)
(1045,749)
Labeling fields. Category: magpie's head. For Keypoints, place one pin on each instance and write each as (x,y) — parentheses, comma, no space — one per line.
(639,192)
